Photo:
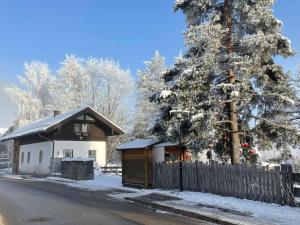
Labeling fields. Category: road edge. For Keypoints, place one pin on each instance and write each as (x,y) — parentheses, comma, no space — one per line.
(199,215)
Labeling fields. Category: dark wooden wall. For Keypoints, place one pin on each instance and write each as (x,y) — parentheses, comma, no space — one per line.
(137,167)
(174,150)
(98,131)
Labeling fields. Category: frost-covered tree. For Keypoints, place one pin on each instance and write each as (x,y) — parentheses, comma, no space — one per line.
(150,81)
(110,89)
(33,97)
(228,79)
(99,83)
(71,84)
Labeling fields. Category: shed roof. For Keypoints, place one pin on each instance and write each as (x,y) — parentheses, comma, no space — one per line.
(45,124)
(137,144)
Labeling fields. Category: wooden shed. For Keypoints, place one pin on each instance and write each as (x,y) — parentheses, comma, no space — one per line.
(139,155)
(137,162)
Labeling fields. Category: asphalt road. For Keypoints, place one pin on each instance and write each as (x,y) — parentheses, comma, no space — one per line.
(25,202)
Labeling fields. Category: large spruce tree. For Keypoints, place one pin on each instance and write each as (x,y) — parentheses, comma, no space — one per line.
(228,78)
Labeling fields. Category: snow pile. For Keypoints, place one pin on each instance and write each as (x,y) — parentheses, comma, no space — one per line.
(7,173)
(272,212)
(101,182)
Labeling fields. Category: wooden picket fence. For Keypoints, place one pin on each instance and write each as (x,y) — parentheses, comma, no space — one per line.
(252,182)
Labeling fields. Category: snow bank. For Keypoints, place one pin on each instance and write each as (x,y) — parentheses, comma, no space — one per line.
(283,215)
(275,213)
(101,182)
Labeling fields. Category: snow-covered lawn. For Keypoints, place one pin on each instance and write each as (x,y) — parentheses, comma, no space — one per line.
(272,212)
(101,182)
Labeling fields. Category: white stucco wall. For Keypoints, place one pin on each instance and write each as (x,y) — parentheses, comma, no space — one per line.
(158,154)
(35,167)
(81,149)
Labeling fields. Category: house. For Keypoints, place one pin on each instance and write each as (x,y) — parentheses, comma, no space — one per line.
(139,155)
(79,133)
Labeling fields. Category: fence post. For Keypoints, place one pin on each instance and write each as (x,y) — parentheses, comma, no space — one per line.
(287,185)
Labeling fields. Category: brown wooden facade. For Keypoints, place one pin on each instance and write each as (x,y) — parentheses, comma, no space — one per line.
(98,130)
(137,164)
(137,167)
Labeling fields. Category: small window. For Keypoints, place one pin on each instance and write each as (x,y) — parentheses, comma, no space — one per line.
(89,118)
(41,157)
(81,117)
(169,157)
(22,158)
(68,153)
(92,154)
(77,129)
(85,129)
(28,157)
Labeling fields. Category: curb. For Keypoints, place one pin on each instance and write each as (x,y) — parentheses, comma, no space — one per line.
(201,216)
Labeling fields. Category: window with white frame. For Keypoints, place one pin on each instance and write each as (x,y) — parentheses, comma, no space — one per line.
(77,128)
(85,129)
(41,157)
(68,153)
(28,157)
(22,157)
(92,154)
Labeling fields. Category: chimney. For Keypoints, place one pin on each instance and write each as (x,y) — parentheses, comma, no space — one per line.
(56,113)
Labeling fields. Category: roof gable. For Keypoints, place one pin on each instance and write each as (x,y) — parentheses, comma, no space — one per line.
(50,123)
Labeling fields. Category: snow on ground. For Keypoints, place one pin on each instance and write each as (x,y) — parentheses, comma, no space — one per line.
(101,182)
(190,200)
(272,212)
(7,172)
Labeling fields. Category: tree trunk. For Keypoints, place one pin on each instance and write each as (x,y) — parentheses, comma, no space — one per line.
(235,138)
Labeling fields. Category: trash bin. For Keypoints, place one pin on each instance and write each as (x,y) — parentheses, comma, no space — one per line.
(77,168)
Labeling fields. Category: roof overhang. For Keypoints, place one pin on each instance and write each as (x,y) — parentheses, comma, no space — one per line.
(137,144)
(57,122)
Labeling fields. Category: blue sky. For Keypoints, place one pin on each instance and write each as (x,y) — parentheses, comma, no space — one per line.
(127,31)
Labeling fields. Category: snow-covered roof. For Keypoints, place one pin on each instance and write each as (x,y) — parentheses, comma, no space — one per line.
(2,131)
(44,124)
(139,143)
(164,144)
